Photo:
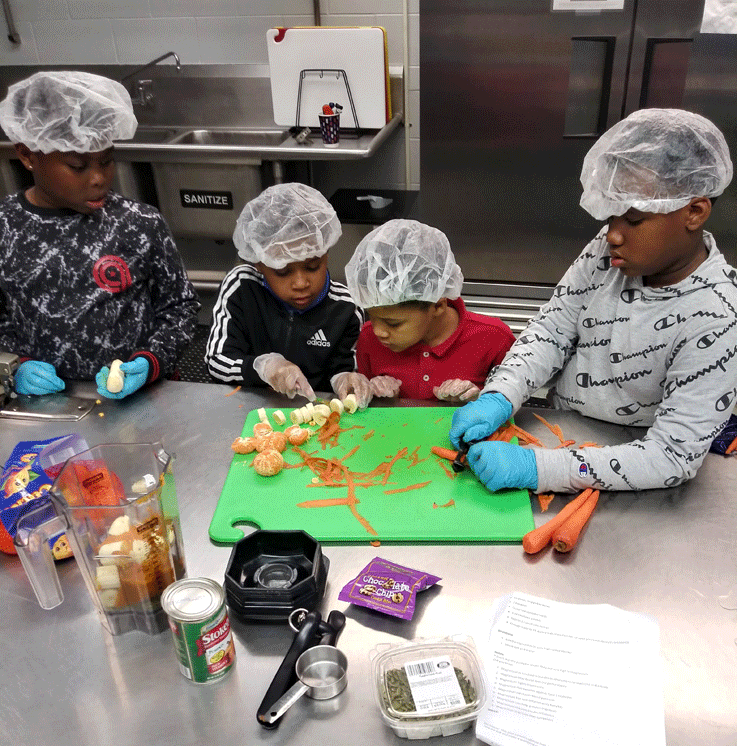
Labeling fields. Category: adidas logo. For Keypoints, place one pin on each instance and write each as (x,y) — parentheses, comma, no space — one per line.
(318,339)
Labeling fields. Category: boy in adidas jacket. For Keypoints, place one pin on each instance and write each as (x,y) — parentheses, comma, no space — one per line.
(280,319)
(642,329)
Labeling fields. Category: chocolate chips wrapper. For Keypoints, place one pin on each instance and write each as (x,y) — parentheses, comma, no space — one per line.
(387,587)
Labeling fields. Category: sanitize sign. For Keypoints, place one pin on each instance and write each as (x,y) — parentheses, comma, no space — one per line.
(206,200)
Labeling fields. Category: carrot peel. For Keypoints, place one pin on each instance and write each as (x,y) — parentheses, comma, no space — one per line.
(537,539)
(565,536)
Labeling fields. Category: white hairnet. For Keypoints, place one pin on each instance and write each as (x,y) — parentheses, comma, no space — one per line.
(286,223)
(403,260)
(67,111)
(655,160)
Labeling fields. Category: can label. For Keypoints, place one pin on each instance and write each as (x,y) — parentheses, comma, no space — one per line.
(205,649)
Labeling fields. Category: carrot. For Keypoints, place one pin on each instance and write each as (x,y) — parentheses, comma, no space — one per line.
(565,537)
(731,447)
(447,453)
(539,538)
(407,489)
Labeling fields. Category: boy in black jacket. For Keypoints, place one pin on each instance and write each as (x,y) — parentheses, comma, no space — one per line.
(280,319)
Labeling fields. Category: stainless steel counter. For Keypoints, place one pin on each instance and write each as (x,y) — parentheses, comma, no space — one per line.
(667,553)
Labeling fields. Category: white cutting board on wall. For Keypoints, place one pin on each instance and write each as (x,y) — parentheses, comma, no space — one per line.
(360,51)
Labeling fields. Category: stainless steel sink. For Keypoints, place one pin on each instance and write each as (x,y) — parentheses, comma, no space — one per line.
(152,135)
(231,138)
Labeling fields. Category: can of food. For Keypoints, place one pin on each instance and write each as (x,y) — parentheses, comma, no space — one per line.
(201,628)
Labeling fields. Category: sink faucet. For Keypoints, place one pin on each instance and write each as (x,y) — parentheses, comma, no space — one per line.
(139,90)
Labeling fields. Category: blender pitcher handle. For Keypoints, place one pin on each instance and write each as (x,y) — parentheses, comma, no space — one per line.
(32,542)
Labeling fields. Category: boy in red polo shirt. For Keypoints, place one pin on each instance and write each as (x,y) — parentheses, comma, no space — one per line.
(420,342)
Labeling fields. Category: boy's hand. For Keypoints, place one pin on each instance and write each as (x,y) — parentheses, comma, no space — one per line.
(479,418)
(37,378)
(357,384)
(503,466)
(385,386)
(135,373)
(456,389)
(283,376)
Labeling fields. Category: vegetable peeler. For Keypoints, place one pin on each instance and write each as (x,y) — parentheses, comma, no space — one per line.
(460,461)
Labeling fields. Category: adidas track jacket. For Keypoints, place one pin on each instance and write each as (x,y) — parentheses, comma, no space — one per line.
(249,321)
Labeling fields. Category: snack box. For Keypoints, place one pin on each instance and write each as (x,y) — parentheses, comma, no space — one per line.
(428,688)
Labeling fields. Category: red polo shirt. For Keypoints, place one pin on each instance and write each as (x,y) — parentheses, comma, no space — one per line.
(478,343)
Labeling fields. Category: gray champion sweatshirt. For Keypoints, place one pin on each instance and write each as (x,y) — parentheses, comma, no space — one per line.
(614,349)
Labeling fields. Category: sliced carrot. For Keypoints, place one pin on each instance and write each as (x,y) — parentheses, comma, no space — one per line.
(565,537)
(731,447)
(539,538)
(545,501)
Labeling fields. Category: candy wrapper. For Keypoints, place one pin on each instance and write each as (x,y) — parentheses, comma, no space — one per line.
(728,434)
(26,478)
(387,587)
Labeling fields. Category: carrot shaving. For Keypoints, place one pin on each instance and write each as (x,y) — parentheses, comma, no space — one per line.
(555,429)
(545,501)
(524,436)
(589,444)
(369,434)
(375,543)
(237,388)
(449,504)
(407,489)
(326,503)
(565,444)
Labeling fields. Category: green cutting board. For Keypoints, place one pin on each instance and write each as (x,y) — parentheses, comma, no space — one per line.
(272,502)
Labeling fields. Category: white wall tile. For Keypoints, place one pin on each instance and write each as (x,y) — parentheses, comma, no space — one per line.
(109,8)
(78,42)
(39,10)
(414,77)
(208,8)
(394,27)
(24,53)
(234,40)
(139,41)
(414,163)
(333,19)
(413,6)
(414,114)
(291,20)
(361,6)
(413,23)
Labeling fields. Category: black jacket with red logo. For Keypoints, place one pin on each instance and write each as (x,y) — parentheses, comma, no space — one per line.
(249,320)
(79,291)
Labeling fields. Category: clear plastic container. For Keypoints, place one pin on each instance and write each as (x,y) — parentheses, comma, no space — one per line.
(444,681)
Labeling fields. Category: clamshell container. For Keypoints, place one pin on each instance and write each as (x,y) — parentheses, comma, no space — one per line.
(442,714)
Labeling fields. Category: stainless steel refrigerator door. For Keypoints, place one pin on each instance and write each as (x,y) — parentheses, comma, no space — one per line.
(509,107)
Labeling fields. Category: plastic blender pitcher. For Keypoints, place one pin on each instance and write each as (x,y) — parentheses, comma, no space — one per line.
(118,506)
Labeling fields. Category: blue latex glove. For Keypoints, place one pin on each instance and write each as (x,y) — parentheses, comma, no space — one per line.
(136,373)
(480,418)
(503,466)
(35,377)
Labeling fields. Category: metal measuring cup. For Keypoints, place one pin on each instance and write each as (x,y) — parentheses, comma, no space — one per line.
(321,671)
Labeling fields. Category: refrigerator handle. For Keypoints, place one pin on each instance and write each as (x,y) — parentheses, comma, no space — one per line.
(589,86)
(664,72)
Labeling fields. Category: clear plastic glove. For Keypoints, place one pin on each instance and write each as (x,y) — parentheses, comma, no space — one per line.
(503,466)
(283,376)
(135,373)
(357,384)
(480,418)
(456,389)
(35,377)
(385,386)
